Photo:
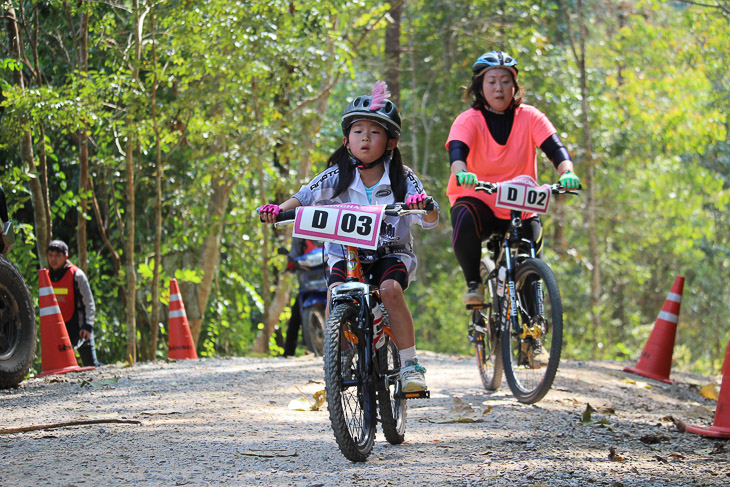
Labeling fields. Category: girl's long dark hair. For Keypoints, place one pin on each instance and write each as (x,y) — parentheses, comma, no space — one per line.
(397,173)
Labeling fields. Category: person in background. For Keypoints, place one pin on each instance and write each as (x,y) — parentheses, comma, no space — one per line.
(300,247)
(75,300)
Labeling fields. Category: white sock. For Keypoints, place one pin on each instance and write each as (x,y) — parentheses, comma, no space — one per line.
(407,354)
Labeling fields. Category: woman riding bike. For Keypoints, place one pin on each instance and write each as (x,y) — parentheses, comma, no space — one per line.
(495,140)
(367,169)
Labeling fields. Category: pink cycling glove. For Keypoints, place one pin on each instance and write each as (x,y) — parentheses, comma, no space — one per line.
(273,209)
(414,199)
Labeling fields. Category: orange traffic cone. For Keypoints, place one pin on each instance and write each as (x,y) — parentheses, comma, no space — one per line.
(721,426)
(57,353)
(655,361)
(181,341)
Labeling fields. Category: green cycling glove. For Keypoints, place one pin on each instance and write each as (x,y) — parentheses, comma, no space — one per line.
(569,180)
(465,177)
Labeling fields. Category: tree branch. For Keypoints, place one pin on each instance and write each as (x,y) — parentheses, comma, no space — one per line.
(724,8)
(353,47)
(23,429)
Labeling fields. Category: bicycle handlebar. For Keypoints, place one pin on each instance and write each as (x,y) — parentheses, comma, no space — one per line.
(395,209)
(556,188)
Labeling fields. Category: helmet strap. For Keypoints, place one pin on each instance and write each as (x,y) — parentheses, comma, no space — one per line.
(386,157)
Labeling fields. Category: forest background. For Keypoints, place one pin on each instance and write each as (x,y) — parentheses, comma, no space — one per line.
(149,131)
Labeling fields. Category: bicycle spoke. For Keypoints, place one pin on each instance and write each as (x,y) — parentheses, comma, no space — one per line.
(531,354)
(350,398)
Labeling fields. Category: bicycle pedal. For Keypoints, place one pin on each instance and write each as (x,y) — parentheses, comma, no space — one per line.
(476,306)
(413,395)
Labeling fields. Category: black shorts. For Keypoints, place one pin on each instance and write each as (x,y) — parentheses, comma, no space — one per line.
(376,273)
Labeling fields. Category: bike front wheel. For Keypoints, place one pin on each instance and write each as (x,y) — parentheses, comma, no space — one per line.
(531,353)
(392,409)
(350,392)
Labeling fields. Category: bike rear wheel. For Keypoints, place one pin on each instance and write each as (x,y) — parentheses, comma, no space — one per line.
(350,393)
(392,409)
(484,331)
(531,355)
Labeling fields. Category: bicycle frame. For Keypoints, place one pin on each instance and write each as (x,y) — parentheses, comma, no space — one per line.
(518,341)
(509,243)
(356,289)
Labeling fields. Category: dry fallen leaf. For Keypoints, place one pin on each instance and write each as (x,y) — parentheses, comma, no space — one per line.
(319,398)
(678,423)
(305,404)
(300,404)
(719,448)
(653,439)
(613,456)
(709,391)
(587,414)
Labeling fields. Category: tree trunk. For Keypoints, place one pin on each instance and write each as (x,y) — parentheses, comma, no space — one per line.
(155,318)
(221,188)
(129,266)
(589,171)
(279,301)
(42,159)
(82,258)
(26,145)
(83,151)
(392,53)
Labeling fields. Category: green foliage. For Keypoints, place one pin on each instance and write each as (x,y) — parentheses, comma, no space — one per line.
(237,111)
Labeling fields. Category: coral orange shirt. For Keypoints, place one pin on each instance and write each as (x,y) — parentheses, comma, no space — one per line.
(493,162)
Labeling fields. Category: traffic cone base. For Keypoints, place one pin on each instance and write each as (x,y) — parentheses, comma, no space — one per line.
(57,354)
(648,374)
(713,431)
(721,425)
(181,344)
(66,370)
(655,361)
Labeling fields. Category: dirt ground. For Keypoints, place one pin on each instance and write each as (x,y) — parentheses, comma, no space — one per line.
(228,422)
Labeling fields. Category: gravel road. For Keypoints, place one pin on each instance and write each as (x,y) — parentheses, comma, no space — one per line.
(228,422)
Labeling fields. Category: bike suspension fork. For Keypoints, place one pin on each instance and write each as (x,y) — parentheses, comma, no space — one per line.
(510,285)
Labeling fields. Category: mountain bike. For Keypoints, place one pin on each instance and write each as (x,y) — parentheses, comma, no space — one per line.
(361,360)
(519,330)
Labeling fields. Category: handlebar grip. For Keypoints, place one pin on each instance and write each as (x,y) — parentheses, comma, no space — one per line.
(286,215)
(557,189)
(430,204)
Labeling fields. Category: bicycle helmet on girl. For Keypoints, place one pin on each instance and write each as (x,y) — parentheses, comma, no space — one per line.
(375,107)
(495,59)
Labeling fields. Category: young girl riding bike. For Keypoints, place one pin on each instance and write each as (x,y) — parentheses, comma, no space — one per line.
(368,169)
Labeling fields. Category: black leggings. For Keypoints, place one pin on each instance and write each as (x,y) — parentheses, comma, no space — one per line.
(473,222)
(381,270)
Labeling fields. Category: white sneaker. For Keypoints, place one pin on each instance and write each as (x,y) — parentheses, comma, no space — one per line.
(412,376)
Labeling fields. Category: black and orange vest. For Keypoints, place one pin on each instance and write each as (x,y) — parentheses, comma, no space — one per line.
(64,290)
